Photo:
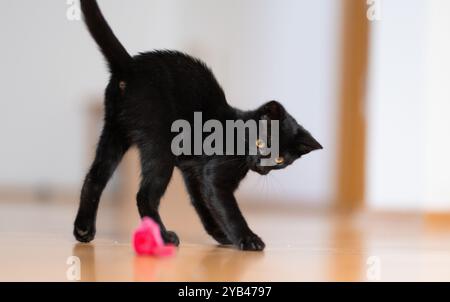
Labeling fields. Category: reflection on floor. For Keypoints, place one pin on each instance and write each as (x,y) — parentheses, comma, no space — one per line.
(37,245)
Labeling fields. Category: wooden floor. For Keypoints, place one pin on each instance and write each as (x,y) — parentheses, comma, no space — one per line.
(36,244)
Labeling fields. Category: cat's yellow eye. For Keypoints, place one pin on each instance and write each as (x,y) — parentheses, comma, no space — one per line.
(279,160)
(260,143)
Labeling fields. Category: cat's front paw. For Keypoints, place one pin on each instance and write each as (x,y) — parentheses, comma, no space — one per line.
(251,243)
(170,237)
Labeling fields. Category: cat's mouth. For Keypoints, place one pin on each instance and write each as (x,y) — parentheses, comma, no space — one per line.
(262,170)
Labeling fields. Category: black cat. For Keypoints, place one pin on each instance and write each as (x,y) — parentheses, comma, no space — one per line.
(145,95)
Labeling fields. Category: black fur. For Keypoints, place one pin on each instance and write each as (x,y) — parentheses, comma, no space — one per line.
(145,95)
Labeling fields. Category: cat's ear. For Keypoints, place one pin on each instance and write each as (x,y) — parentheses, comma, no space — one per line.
(272,111)
(306,143)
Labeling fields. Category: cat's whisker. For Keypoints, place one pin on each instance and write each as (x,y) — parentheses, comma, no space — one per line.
(278,186)
(280,183)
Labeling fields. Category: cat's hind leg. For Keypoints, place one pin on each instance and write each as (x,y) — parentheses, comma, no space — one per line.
(157,168)
(110,151)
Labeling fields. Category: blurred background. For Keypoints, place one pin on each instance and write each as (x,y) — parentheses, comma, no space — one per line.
(369,79)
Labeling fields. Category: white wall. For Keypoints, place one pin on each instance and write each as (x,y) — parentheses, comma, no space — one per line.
(259,49)
(437,187)
(408,109)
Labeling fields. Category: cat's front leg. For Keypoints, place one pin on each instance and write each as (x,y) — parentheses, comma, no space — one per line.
(226,211)
(194,185)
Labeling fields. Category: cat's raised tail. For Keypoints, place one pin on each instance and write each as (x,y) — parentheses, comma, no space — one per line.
(115,53)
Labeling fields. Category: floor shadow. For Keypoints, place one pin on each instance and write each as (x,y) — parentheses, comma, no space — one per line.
(86,254)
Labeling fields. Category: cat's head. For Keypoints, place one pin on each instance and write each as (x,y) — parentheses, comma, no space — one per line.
(294,141)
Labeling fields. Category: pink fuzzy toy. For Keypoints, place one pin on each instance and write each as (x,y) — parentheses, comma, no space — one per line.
(147,240)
